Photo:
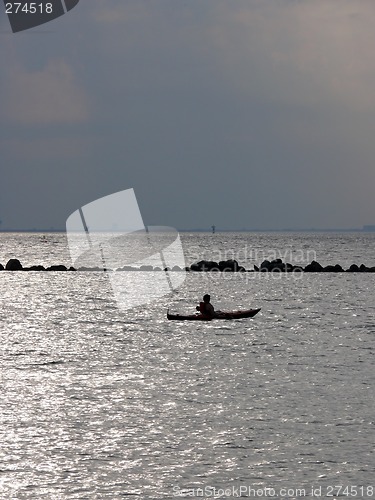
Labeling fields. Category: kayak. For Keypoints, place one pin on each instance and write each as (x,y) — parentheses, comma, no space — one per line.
(249,313)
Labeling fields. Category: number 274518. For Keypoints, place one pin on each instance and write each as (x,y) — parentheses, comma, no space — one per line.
(28,8)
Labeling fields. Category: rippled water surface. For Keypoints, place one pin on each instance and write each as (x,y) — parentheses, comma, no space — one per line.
(98,403)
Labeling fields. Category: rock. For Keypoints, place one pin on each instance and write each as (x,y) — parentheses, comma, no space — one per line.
(205,265)
(363,268)
(1,267)
(34,268)
(195,267)
(256,268)
(224,266)
(297,269)
(265,265)
(353,269)
(277,265)
(13,265)
(83,268)
(210,265)
(329,269)
(314,267)
(229,265)
(57,268)
(277,268)
(333,269)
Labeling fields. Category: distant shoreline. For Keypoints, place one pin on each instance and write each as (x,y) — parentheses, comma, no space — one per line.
(284,230)
(32,230)
(196,230)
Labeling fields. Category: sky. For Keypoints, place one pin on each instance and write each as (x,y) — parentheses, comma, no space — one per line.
(238,113)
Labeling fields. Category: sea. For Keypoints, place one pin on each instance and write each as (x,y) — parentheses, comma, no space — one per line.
(98,402)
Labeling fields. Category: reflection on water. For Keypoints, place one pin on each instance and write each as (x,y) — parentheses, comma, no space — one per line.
(98,403)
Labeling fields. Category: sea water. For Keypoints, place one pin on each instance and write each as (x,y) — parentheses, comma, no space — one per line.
(102,403)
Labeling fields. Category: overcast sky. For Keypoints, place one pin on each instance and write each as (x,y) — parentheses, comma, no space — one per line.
(239,113)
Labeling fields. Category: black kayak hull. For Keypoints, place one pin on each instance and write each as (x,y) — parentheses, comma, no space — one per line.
(250,313)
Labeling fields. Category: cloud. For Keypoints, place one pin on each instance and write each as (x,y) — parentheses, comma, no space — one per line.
(42,149)
(109,14)
(298,52)
(49,96)
(267,105)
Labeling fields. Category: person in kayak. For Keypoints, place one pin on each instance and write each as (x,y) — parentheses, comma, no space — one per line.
(206,308)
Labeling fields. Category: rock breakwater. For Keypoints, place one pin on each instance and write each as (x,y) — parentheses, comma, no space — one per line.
(278,265)
(231,266)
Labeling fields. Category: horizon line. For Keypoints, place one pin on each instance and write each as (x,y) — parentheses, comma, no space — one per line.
(365,228)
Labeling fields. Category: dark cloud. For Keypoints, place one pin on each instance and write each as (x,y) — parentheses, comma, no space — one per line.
(242,114)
